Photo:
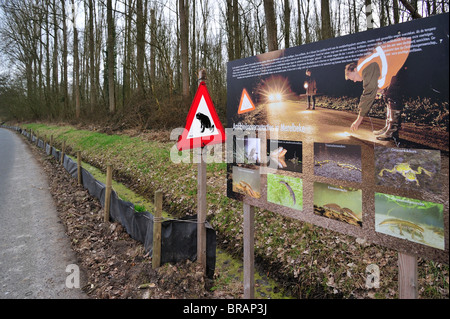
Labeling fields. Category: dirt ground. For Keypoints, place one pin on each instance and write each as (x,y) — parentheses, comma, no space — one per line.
(113,265)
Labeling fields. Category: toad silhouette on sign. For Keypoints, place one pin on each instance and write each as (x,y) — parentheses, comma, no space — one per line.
(205,122)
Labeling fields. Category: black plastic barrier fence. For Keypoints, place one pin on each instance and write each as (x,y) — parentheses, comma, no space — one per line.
(178,236)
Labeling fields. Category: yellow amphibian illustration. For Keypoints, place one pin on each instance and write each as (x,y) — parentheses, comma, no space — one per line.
(407,172)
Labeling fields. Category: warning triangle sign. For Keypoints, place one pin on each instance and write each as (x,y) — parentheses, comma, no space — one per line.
(203,126)
(246,103)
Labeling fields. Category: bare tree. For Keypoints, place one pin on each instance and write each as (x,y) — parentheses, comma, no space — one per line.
(76,64)
(271,25)
(287,23)
(412,9)
(326,21)
(93,86)
(140,45)
(110,57)
(184,37)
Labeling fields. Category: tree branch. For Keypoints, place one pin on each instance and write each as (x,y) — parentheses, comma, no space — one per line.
(411,9)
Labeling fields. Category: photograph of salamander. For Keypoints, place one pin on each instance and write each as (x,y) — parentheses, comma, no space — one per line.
(411,219)
(285,155)
(285,190)
(410,169)
(246,181)
(338,203)
(339,161)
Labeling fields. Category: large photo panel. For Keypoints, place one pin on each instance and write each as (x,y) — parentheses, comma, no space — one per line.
(367,113)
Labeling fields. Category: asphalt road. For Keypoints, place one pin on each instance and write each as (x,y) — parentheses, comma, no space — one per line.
(34,250)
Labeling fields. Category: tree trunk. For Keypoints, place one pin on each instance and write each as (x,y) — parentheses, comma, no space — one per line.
(110,56)
(140,45)
(230,34)
(326,21)
(299,23)
(287,23)
(412,9)
(55,83)
(396,11)
(369,18)
(271,25)
(76,65)
(64,54)
(184,39)
(236,30)
(355,17)
(152,47)
(193,50)
(93,87)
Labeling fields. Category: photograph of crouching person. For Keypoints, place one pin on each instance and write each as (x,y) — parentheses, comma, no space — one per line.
(379,72)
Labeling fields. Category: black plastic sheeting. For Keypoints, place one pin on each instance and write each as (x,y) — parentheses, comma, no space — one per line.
(178,237)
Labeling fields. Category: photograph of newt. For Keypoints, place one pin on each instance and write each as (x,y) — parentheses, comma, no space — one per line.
(285,190)
(339,203)
(411,219)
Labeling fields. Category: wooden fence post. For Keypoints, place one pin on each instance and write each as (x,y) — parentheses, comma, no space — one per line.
(407,276)
(45,144)
(108,192)
(79,167)
(249,251)
(62,152)
(51,143)
(156,257)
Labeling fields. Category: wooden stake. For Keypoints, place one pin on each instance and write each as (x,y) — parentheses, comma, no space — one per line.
(62,152)
(45,144)
(79,167)
(249,251)
(108,192)
(51,143)
(156,258)
(201,211)
(407,276)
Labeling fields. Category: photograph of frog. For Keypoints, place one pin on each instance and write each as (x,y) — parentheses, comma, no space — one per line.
(285,155)
(246,181)
(339,203)
(247,150)
(339,161)
(411,169)
(285,190)
(411,219)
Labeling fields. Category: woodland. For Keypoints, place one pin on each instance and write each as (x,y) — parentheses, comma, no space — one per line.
(135,63)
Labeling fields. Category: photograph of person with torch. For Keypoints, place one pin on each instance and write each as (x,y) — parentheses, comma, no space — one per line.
(379,73)
(311,89)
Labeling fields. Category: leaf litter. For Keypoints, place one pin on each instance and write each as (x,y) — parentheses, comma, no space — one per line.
(112,264)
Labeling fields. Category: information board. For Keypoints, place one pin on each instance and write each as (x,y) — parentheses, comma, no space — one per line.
(303,126)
